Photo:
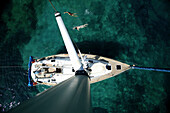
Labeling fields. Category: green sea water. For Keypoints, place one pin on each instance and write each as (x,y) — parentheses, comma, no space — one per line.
(131,31)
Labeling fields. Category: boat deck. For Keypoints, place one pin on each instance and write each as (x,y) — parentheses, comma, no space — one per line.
(116,66)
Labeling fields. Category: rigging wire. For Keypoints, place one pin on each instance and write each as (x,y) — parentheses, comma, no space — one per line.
(12,66)
(53,6)
(151,69)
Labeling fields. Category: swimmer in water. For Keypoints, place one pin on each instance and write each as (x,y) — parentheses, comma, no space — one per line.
(71,14)
(82,26)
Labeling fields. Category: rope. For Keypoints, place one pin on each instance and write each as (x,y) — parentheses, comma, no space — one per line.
(12,66)
(53,6)
(151,69)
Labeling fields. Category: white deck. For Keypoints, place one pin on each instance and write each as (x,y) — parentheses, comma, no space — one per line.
(54,69)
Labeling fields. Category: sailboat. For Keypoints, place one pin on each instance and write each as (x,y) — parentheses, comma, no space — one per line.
(52,70)
(71,74)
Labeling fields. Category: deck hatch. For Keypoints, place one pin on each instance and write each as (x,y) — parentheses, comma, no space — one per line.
(108,67)
(118,67)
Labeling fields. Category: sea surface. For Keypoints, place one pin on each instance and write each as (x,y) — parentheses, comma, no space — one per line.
(131,31)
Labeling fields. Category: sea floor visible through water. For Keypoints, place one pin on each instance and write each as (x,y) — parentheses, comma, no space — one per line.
(130,31)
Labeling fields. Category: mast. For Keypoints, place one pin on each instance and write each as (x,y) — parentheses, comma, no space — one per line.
(70,96)
(68,43)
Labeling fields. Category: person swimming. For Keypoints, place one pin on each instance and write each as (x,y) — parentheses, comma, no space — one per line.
(81,26)
(71,14)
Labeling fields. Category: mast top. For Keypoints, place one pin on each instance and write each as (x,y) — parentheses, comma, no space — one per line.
(57,14)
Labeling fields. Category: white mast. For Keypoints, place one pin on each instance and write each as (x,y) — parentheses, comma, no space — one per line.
(68,43)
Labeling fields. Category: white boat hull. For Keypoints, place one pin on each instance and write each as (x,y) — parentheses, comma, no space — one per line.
(55,69)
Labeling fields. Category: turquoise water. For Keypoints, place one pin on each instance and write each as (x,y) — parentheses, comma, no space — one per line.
(131,31)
